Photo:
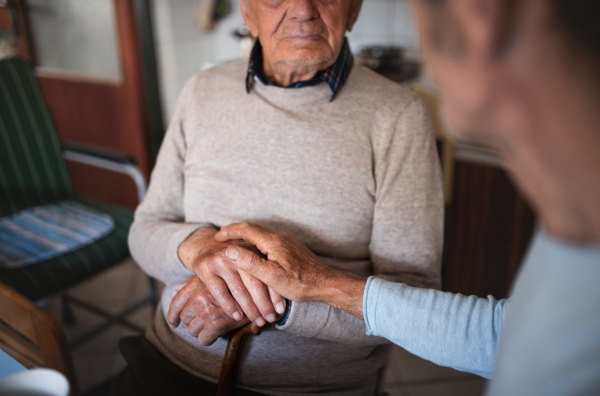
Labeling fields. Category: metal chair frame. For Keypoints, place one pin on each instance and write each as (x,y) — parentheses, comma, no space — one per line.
(116,162)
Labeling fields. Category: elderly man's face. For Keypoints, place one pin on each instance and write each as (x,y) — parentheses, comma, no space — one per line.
(300,32)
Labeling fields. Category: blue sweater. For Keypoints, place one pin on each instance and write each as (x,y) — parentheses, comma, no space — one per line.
(544,340)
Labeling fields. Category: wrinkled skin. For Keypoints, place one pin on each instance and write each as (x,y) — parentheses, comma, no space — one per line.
(195,306)
(299,37)
(292,269)
(236,292)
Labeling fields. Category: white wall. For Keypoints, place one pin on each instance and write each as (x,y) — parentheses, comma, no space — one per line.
(183,50)
(384,22)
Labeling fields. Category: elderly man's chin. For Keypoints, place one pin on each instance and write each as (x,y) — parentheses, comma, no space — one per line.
(307,53)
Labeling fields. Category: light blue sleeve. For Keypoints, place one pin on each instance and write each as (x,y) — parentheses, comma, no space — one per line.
(448,329)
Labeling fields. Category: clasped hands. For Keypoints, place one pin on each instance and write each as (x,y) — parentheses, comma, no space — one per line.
(242,274)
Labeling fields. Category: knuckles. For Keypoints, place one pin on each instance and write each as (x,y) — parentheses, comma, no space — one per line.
(211,263)
(256,284)
(217,291)
(205,268)
(284,238)
(195,307)
(180,300)
(199,299)
(213,330)
(238,290)
(206,340)
(218,327)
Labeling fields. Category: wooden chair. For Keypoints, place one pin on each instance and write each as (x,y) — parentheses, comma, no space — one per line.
(32,337)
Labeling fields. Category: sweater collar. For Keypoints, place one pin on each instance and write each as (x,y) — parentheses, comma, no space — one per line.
(335,75)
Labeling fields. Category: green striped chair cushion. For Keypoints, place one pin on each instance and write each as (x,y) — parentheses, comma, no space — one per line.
(51,276)
(47,231)
(32,170)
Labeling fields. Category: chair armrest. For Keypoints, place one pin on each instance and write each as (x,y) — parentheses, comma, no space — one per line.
(106,159)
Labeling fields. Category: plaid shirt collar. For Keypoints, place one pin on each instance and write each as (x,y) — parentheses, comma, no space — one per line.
(335,75)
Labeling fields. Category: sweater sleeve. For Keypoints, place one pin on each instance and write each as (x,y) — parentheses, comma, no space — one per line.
(159,225)
(407,232)
(408,221)
(448,329)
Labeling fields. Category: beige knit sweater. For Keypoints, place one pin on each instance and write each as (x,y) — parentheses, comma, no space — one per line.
(357,179)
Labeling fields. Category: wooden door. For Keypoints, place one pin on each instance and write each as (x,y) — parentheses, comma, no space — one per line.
(109,113)
(488,229)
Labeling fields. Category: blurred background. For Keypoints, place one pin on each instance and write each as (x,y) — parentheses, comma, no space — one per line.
(110,72)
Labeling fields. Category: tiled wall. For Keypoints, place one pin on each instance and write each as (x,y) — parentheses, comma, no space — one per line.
(183,50)
(384,22)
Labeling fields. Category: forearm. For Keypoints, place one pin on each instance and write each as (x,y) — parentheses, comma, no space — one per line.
(344,290)
(335,314)
(322,321)
(448,329)
(154,246)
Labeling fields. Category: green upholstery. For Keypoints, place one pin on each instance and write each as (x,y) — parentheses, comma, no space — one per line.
(33,172)
(48,277)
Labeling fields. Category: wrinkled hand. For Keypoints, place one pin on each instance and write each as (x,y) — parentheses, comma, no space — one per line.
(291,269)
(201,313)
(234,290)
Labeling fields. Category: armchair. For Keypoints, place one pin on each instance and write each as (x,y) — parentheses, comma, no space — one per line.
(32,173)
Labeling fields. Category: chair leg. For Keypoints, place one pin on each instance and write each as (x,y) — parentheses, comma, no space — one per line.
(68,318)
(153,292)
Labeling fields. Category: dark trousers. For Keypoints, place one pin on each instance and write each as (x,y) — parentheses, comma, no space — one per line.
(150,373)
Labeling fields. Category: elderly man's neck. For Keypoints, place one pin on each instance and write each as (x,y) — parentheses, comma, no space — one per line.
(284,74)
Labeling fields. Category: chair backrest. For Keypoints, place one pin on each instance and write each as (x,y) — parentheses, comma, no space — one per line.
(32,337)
(32,170)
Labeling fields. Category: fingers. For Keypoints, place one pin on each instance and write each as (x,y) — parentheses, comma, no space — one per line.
(195,306)
(220,292)
(260,295)
(218,328)
(207,338)
(224,283)
(179,286)
(240,292)
(179,302)
(249,262)
(278,301)
(196,326)
(210,332)
(252,233)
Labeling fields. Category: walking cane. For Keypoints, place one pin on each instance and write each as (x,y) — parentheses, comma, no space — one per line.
(232,356)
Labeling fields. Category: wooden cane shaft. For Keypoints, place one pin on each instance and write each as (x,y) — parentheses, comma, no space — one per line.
(231,358)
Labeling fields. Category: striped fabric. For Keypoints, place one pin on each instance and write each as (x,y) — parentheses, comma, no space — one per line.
(47,231)
(49,277)
(32,170)
(32,173)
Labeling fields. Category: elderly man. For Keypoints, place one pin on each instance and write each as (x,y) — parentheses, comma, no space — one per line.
(524,77)
(302,141)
